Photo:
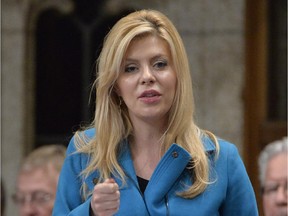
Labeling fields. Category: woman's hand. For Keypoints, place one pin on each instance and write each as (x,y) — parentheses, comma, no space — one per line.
(106,198)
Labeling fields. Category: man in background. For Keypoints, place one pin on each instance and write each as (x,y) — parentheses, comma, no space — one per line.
(37,180)
(273,178)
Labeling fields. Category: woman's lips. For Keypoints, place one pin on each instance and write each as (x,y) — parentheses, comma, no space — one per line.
(150,96)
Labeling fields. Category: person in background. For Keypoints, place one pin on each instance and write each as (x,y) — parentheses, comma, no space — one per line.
(143,154)
(273,176)
(37,180)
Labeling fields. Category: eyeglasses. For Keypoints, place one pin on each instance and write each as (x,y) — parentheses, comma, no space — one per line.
(39,198)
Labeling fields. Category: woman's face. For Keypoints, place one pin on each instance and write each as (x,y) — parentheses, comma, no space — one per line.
(147,81)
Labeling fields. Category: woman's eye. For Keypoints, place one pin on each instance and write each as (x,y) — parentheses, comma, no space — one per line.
(160,64)
(130,69)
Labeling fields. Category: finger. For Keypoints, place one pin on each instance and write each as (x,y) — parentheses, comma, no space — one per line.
(103,197)
(109,180)
(108,186)
(104,206)
(112,181)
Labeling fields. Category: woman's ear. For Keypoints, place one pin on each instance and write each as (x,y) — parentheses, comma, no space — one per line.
(117,91)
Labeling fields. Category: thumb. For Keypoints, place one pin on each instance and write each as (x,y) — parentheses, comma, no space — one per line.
(114,184)
(109,180)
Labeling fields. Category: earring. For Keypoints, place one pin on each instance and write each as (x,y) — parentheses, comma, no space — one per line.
(120,104)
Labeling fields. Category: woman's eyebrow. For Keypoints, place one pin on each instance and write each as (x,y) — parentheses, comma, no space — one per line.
(159,56)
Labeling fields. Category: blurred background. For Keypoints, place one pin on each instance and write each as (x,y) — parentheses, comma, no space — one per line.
(238,58)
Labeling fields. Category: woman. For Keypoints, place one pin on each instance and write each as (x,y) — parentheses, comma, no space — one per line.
(143,154)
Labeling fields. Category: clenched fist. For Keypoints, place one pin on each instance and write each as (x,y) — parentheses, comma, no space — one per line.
(106,198)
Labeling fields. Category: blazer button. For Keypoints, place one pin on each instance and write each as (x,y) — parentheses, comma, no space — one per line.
(95,181)
(175,154)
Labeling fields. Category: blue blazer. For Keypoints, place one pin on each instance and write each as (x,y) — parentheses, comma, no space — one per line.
(230,192)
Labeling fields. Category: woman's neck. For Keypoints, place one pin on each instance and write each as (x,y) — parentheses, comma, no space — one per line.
(145,145)
(147,137)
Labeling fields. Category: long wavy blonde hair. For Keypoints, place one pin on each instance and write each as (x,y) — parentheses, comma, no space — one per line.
(112,121)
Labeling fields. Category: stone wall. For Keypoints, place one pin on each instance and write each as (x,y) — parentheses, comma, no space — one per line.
(12,98)
(214,37)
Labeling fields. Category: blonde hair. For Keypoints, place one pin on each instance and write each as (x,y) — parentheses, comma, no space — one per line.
(113,124)
(44,156)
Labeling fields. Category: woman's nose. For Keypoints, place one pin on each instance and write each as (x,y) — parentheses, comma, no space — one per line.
(147,76)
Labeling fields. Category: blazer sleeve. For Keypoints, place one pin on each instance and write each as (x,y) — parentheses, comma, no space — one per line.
(68,200)
(240,198)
